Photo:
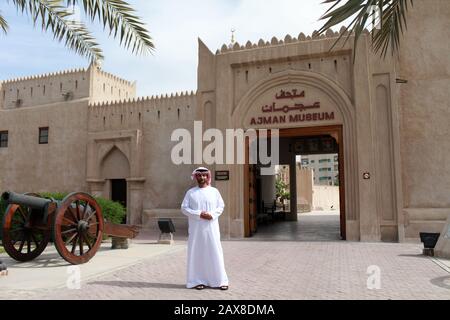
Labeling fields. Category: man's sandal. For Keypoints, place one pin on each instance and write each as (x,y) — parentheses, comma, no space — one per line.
(200,287)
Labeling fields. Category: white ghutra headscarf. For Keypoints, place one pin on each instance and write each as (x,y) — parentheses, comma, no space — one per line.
(202,170)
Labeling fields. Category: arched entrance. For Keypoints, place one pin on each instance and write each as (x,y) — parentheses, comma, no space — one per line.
(301,103)
(293,142)
(115,169)
(117,156)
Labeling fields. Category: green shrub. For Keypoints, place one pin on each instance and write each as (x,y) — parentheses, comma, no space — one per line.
(112,211)
(53,195)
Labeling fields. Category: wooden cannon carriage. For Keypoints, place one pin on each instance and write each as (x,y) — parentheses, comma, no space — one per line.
(76,223)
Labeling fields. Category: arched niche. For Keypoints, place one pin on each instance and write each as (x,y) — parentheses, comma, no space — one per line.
(115,165)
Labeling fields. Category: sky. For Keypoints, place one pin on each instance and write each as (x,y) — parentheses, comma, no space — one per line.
(174,25)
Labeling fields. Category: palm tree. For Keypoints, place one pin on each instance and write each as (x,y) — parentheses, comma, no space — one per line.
(386,17)
(58,17)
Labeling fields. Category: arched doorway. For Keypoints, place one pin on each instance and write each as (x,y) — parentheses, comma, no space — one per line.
(115,170)
(302,103)
(117,155)
(260,209)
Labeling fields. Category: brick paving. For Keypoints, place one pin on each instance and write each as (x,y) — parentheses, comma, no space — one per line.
(272,270)
(273,265)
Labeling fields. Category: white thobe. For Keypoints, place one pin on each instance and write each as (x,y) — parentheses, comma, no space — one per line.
(205,264)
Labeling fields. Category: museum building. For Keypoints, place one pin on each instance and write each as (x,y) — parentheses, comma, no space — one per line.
(386,119)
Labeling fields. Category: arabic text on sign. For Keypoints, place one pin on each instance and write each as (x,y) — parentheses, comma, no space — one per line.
(290,94)
(287,108)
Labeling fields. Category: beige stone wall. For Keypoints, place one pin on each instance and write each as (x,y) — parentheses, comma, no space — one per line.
(82,135)
(60,165)
(396,133)
(108,87)
(314,197)
(247,75)
(164,183)
(59,87)
(325,198)
(304,189)
(425,114)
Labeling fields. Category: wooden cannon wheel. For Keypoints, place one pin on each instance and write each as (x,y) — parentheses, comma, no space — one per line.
(25,235)
(78,228)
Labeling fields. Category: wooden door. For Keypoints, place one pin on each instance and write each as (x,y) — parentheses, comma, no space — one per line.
(252,199)
(250,194)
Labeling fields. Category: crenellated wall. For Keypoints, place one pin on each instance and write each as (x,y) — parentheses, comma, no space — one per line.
(92,83)
(108,87)
(142,112)
(58,87)
(257,61)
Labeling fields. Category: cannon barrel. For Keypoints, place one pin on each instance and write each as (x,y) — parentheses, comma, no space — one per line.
(33,202)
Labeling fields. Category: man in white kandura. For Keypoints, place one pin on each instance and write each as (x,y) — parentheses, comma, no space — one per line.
(203,205)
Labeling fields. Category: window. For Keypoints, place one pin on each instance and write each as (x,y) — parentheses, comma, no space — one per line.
(324,160)
(3,139)
(43,135)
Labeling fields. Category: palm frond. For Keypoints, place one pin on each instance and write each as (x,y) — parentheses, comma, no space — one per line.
(394,24)
(121,19)
(3,24)
(391,21)
(54,16)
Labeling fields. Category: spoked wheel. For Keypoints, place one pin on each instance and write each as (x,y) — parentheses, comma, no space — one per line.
(78,228)
(25,235)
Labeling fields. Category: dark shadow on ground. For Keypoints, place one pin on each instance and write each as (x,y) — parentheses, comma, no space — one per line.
(50,259)
(135,284)
(419,255)
(443,282)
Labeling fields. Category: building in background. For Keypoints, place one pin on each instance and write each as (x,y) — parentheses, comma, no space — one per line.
(325,168)
(85,130)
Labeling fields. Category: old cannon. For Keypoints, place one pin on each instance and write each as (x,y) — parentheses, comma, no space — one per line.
(76,223)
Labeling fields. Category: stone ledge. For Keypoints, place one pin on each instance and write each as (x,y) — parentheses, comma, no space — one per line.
(421,214)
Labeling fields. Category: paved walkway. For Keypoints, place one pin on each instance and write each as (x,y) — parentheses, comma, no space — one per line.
(270,270)
(263,269)
(311,226)
(49,271)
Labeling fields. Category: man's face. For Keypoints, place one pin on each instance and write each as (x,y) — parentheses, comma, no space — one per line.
(202,177)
